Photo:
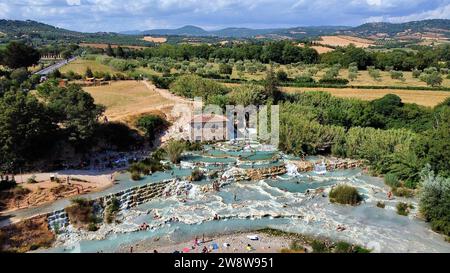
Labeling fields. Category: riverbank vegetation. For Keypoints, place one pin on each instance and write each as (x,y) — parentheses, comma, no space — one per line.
(33,126)
(174,150)
(435,200)
(82,214)
(147,166)
(27,235)
(111,210)
(345,195)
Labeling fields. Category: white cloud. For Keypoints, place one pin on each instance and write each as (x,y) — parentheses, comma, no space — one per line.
(4,10)
(439,13)
(113,15)
(73,2)
(374,2)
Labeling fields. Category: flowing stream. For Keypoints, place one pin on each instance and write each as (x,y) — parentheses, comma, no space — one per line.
(294,202)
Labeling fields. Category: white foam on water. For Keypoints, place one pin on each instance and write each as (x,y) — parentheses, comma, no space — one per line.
(292,170)
(310,213)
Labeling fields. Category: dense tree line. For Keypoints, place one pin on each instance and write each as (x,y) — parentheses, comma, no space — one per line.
(287,52)
(283,52)
(394,137)
(17,55)
(412,155)
(397,59)
(435,200)
(212,92)
(37,127)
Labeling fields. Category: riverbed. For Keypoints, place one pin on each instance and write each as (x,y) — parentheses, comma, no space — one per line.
(293,202)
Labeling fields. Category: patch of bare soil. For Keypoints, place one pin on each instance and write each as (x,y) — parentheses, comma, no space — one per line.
(158,40)
(33,195)
(27,235)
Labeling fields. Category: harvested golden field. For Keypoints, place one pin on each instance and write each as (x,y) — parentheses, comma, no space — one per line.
(342,40)
(125,100)
(318,48)
(79,66)
(158,40)
(364,79)
(425,98)
(103,46)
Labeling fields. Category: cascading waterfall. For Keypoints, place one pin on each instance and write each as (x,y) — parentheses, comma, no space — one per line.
(320,169)
(294,202)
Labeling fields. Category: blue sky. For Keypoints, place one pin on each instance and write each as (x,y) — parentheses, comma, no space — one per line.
(117,15)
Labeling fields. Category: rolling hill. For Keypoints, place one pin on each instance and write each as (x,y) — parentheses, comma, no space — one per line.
(40,33)
(436,25)
(233,32)
(19,28)
(440,27)
(183,31)
(417,30)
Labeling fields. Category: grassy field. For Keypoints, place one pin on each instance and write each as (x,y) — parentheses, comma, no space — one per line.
(420,97)
(425,98)
(103,46)
(125,100)
(365,80)
(342,40)
(155,39)
(79,66)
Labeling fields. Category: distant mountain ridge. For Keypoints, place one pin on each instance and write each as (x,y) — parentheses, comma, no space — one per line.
(235,32)
(29,27)
(414,26)
(440,27)
(391,29)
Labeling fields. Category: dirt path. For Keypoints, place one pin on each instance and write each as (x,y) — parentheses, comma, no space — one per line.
(167,95)
(44,191)
(180,128)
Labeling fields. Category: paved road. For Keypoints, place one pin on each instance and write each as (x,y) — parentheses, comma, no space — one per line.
(52,68)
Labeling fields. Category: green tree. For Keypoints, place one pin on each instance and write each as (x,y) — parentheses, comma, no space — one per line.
(174,149)
(17,55)
(19,75)
(151,125)
(375,74)
(109,51)
(271,84)
(432,79)
(397,75)
(120,53)
(248,95)
(66,54)
(225,69)
(435,200)
(282,76)
(191,86)
(416,73)
(220,100)
(88,73)
(75,110)
(437,142)
(26,130)
(332,73)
